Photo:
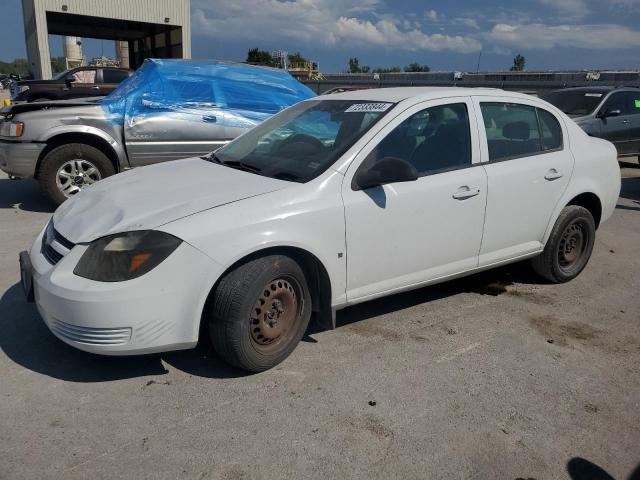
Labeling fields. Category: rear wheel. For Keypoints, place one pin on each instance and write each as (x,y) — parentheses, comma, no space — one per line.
(260,312)
(569,246)
(67,169)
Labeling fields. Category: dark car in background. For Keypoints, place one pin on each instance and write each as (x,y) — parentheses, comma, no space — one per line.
(75,83)
(612,113)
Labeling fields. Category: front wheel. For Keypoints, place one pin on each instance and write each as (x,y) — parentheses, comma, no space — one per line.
(68,169)
(569,246)
(259,313)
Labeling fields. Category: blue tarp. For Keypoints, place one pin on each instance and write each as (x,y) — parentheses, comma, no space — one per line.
(240,95)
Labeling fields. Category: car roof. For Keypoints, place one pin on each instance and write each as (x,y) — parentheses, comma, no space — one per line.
(398,94)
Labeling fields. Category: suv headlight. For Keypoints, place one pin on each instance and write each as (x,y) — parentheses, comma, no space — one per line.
(125,256)
(11,129)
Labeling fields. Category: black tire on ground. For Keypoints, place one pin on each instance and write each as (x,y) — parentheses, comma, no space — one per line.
(569,246)
(259,312)
(64,153)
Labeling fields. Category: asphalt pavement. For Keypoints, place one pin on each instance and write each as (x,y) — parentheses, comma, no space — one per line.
(498,375)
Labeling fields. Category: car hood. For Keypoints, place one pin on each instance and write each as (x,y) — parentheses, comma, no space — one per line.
(147,197)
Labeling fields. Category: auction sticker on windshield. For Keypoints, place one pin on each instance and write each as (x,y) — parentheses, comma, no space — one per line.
(369,107)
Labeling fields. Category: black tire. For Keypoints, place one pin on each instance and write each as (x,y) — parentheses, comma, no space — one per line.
(237,318)
(57,157)
(569,247)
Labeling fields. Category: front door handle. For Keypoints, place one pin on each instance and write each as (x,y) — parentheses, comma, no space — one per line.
(625,121)
(553,174)
(465,192)
(96,87)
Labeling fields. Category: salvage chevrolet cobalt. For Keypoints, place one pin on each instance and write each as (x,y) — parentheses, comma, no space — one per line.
(334,201)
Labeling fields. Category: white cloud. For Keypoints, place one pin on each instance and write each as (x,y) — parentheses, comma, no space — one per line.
(316,23)
(545,37)
(570,8)
(432,15)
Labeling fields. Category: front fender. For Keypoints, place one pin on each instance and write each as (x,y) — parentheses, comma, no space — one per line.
(117,147)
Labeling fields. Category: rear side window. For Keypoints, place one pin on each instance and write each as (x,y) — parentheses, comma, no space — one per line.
(515,130)
(550,129)
(114,76)
(433,140)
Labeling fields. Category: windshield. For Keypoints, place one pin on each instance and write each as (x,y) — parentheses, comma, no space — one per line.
(575,103)
(301,142)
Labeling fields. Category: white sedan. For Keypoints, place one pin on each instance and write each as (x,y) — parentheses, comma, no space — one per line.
(337,200)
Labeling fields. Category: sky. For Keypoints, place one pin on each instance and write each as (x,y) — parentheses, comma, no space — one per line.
(447,35)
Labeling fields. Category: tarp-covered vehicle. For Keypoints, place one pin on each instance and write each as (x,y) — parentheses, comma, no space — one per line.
(168,109)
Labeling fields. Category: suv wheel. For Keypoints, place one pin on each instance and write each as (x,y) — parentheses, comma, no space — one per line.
(67,169)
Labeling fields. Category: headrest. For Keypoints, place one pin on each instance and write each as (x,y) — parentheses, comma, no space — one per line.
(516,131)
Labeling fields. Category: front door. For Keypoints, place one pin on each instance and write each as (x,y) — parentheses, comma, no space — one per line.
(405,234)
(619,129)
(176,118)
(528,170)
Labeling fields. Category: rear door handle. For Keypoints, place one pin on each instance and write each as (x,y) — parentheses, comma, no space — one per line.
(553,174)
(465,192)
(625,121)
(96,87)
(209,118)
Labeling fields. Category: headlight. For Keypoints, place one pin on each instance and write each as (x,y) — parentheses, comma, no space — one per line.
(11,129)
(125,256)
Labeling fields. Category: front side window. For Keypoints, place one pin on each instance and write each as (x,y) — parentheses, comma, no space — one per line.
(617,102)
(633,103)
(301,142)
(433,140)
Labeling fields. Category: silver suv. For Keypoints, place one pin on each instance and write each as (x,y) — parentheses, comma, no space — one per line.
(606,112)
(168,109)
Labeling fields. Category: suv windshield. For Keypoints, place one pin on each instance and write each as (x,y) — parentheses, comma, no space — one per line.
(575,103)
(301,142)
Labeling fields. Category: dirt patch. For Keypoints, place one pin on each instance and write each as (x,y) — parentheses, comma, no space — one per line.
(508,287)
(370,329)
(372,424)
(562,334)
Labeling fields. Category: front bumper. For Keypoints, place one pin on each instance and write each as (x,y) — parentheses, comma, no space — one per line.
(20,158)
(159,311)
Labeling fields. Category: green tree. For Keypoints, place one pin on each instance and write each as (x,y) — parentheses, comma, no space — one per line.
(518,63)
(58,64)
(259,57)
(297,58)
(18,67)
(416,67)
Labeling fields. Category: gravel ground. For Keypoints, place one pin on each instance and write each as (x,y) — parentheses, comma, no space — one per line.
(494,376)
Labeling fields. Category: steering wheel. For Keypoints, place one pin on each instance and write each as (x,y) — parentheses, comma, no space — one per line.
(300,138)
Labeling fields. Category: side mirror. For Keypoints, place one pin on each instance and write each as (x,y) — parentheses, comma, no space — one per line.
(610,113)
(69,79)
(384,171)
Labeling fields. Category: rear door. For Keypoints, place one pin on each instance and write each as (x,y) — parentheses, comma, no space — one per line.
(619,129)
(528,169)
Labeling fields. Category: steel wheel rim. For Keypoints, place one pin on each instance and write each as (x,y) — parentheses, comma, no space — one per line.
(275,313)
(573,243)
(74,175)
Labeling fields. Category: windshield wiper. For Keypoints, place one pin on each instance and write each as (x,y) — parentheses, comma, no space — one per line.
(233,164)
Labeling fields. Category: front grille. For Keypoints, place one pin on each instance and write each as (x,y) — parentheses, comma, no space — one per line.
(91,336)
(50,238)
